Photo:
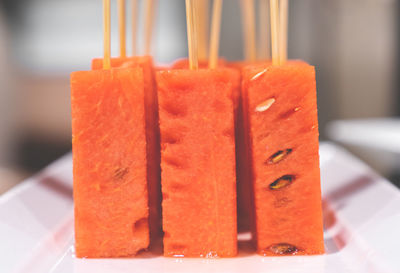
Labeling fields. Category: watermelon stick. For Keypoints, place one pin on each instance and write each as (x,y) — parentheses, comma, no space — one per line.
(145,63)
(263,31)
(249,30)
(106,34)
(148,25)
(280,112)
(191,19)
(121,27)
(197,115)
(134,25)
(109,158)
(215,31)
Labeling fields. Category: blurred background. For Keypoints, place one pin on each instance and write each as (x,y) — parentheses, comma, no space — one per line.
(354,45)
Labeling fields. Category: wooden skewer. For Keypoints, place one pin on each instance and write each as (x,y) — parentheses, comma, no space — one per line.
(283,30)
(106,35)
(134,26)
(202,27)
(149,21)
(249,29)
(122,28)
(215,31)
(274,31)
(264,41)
(191,19)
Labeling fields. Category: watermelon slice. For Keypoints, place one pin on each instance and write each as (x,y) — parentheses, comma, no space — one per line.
(109,163)
(281,122)
(152,135)
(198,162)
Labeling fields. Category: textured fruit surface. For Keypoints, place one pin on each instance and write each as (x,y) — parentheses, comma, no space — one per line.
(198,162)
(281,116)
(109,163)
(152,134)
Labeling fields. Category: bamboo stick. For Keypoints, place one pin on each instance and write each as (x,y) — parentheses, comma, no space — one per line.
(191,18)
(283,30)
(122,28)
(202,28)
(215,33)
(106,35)
(274,10)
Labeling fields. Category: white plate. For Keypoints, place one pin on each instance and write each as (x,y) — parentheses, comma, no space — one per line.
(361,211)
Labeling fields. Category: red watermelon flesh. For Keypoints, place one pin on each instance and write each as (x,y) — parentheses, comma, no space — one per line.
(282,127)
(198,162)
(109,163)
(152,134)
